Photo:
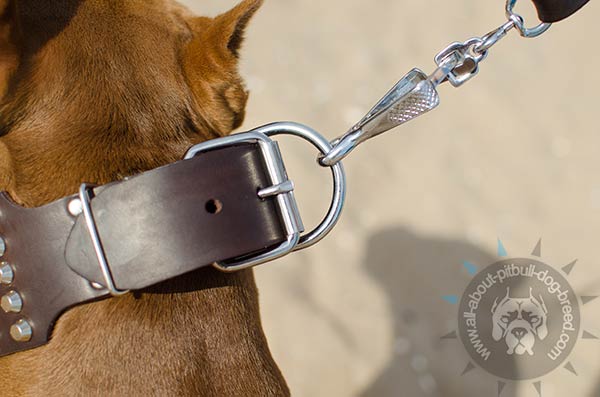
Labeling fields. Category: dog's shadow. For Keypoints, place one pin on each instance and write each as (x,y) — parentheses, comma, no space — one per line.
(416,272)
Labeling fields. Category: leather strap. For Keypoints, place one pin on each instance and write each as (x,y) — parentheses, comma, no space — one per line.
(551,11)
(153,227)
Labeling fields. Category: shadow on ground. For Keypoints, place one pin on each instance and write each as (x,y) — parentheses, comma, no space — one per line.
(416,272)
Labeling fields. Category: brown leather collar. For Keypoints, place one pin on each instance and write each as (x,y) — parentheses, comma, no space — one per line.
(150,227)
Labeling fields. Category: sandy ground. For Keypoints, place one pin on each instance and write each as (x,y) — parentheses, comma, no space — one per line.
(514,154)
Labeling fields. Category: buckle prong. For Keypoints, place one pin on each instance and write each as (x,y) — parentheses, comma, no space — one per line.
(280,188)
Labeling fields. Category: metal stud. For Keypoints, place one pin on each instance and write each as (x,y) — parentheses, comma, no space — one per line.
(2,246)
(11,302)
(6,273)
(97,286)
(75,208)
(21,331)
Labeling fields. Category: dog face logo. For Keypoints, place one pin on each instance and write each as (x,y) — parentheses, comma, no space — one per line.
(519,321)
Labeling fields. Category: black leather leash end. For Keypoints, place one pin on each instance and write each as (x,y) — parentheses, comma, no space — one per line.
(551,11)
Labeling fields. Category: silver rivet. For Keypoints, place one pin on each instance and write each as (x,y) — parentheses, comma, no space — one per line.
(75,208)
(97,286)
(6,273)
(2,246)
(21,331)
(11,302)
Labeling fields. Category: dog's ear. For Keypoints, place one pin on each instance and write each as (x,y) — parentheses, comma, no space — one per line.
(496,303)
(542,330)
(210,62)
(497,331)
(495,306)
(539,302)
(229,28)
(543,305)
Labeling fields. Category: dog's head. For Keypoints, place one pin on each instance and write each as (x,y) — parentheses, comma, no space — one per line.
(519,321)
(94,90)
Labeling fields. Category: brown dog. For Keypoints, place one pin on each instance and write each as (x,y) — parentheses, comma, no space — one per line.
(95,90)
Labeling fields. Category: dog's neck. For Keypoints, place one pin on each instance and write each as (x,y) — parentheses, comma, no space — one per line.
(97,90)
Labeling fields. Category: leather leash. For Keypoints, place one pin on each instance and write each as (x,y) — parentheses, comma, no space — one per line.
(550,11)
(228,204)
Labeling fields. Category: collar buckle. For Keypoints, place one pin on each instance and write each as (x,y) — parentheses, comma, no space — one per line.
(282,189)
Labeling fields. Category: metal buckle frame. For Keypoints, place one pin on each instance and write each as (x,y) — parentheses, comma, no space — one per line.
(282,189)
(86,207)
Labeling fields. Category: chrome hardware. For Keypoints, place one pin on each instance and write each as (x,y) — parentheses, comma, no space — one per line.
(96,286)
(520,22)
(75,207)
(2,246)
(7,275)
(413,96)
(416,93)
(468,64)
(337,172)
(286,203)
(282,189)
(445,67)
(11,302)
(492,38)
(21,331)
(84,197)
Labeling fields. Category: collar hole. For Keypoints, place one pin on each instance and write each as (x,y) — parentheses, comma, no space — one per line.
(213,206)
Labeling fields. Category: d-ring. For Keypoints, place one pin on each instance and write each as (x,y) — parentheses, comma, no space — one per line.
(337,171)
(520,23)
